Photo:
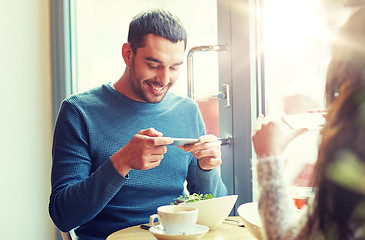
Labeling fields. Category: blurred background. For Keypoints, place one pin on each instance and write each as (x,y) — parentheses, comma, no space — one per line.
(293,30)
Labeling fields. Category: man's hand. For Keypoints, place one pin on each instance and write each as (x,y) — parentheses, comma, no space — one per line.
(207,151)
(144,151)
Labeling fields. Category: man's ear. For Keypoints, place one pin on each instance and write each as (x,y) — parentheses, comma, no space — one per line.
(127,53)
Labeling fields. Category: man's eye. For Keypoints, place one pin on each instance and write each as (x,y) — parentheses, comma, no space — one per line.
(175,68)
(154,66)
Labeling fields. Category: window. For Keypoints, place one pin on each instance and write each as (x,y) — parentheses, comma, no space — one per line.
(297,38)
(99,29)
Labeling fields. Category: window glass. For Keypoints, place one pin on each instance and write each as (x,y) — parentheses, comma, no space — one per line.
(297,39)
(100,28)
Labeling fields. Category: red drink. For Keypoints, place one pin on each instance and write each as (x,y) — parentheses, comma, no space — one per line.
(300,202)
(301,195)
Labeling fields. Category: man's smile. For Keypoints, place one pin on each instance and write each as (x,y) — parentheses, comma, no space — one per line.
(158,88)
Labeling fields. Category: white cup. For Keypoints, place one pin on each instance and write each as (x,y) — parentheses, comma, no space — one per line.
(175,219)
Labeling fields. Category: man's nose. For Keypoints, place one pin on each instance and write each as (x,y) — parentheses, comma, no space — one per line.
(163,76)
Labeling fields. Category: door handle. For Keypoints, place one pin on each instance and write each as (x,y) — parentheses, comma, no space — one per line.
(224,94)
(190,57)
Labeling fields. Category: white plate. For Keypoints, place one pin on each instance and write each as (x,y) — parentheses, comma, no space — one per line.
(183,141)
(198,232)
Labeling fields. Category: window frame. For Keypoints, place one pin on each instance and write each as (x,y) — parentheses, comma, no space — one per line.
(61,60)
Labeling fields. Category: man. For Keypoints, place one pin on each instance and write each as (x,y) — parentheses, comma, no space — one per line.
(107,173)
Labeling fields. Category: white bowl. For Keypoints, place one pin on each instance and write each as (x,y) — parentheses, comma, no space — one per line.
(212,212)
(249,212)
(250,216)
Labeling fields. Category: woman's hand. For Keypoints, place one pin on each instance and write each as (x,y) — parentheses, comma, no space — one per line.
(270,137)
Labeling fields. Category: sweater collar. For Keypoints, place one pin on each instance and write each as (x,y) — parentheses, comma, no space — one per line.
(140,105)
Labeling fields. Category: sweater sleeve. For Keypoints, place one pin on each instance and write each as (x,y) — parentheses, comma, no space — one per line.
(78,194)
(204,182)
(277,210)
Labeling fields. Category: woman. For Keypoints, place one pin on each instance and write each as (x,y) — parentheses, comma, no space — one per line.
(337,210)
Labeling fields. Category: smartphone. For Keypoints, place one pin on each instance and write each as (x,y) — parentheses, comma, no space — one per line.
(310,121)
(184,141)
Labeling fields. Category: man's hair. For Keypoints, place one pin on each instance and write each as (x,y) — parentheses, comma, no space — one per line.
(158,22)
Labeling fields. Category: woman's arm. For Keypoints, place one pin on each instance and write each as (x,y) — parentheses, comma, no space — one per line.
(276,208)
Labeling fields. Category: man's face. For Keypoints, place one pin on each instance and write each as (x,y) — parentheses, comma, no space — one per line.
(155,68)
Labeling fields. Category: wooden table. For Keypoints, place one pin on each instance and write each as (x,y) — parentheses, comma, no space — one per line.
(225,231)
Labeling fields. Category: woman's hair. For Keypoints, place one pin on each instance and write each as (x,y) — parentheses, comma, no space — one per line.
(343,137)
(158,22)
(343,141)
(347,66)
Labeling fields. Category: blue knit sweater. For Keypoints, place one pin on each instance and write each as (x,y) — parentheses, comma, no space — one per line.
(88,192)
